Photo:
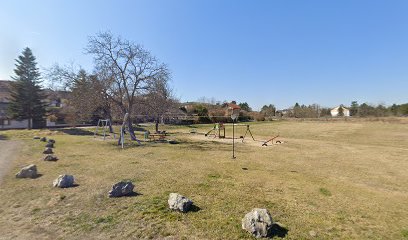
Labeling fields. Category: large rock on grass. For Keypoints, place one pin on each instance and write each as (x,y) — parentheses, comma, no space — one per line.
(36,137)
(29,171)
(258,222)
(51,140)
(48,151)
(122,188)
(43,139)
(64,181)
(179,202)
(51,158)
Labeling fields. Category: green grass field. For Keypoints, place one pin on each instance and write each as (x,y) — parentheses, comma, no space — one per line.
(342,180)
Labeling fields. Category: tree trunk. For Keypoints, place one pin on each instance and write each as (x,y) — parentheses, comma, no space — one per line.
(29,123)
(131,130)
(110,125)
(157,125)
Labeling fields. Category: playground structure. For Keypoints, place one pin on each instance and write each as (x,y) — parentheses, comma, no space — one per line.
(270,140)
(219,131)
(105,125)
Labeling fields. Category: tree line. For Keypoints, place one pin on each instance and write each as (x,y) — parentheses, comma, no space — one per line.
(126,78)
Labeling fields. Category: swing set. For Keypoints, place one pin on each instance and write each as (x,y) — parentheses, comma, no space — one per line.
(219,131)
(105,125)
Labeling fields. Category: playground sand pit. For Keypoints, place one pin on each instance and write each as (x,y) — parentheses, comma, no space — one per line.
(337,180)
(248,141)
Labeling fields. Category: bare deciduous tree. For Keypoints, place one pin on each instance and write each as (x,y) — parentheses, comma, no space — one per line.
(159,100)
(127,70)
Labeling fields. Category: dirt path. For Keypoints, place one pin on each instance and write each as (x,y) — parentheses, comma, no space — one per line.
(8,152)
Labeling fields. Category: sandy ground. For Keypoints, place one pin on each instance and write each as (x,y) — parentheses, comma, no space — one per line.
(8,152)
(238,141)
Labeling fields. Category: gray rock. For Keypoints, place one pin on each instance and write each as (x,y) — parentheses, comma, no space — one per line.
(48,151)
(50,157)
(43,139)
(36,137)
(258,222)
(51,140)
(121,188)
(29,171)
(49,145)
(179,202)
(64,181)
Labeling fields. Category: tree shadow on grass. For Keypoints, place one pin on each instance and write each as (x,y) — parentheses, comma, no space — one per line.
(2,137)
(76,131)
(139,129)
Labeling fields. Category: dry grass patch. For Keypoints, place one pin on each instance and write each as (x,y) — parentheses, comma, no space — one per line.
(338,179)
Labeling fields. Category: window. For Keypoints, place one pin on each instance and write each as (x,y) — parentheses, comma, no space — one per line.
(5,122)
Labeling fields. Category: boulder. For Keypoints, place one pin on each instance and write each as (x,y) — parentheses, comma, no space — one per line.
(36,137)
(49,145)
(29,171)
(51,140)
(258,222)
(43,139)
(64,181)
(48,151)
(50,157)
(121,188)
(179,202)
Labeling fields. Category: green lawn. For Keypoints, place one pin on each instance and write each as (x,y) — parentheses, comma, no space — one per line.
(342,180)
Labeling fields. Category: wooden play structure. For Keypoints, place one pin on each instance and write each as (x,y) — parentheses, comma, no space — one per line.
(218,131)
(104,125)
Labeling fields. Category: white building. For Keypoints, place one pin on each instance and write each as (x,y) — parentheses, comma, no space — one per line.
(335,111)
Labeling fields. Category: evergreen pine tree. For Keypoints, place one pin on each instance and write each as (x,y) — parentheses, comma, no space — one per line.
(27,99)
(340,111)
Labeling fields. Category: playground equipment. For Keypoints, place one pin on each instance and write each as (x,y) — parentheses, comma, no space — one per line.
(266,142)
(105,124)
(123,129)
(217,130)
(248,131)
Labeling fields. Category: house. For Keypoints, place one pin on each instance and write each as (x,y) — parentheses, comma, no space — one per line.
(5,121)
(335,111)
(55,100)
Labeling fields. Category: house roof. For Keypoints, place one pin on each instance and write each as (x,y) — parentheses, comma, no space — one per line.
(233,106)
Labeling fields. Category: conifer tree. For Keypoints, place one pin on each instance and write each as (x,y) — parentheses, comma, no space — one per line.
(27,99)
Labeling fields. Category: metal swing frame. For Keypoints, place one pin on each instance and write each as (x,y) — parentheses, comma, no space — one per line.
(104,124)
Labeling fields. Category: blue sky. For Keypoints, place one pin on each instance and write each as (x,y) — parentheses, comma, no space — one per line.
(261,52)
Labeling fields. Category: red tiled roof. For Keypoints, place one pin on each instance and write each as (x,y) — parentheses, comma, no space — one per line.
(233,106)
